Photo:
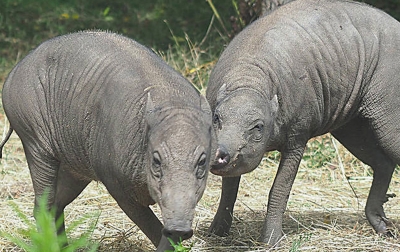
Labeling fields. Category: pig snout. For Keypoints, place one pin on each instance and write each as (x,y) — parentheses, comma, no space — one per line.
(176,234)
(222,158)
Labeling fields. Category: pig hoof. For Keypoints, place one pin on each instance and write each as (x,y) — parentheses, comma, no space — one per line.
(272,241)
(387,233)
(385,228)
(390,234)
(272,235)
(219,228)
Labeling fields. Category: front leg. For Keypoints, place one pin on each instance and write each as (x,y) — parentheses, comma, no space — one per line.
(140,214)
(279,194)
(223,218)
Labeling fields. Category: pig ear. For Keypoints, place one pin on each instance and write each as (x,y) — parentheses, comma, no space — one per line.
(274,105)
(150,109)
(204,105)
(222,92)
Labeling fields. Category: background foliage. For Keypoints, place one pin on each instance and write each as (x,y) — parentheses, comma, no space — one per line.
(25,23)
(154,23)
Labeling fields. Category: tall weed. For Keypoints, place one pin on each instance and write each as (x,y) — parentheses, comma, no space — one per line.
(42,235)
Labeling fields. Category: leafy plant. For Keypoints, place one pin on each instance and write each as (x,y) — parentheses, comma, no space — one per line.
(42,235)
(179,247)
(320,152)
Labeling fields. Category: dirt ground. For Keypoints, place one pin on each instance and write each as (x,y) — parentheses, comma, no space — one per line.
(324,212)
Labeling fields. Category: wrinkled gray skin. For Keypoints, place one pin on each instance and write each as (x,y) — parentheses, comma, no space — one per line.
(309,68)
(99,106)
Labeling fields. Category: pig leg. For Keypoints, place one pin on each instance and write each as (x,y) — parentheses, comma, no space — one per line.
(223,218)
(68,188)
(141,215)
(359,138)
(280,191)
(43,168)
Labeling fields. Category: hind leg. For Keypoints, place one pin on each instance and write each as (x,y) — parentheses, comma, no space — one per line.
(359,138)
(43,169)
(49,176)
(68,188)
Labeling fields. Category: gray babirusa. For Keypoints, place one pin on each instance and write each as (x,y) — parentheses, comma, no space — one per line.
(308,68)
(98,106)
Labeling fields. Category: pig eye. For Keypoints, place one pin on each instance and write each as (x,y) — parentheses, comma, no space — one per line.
(202,160)
(156,165)
(259,127)
(156,158)
(217,120)
(201,166)
(257,131)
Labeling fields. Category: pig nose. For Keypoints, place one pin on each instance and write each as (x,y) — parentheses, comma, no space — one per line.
(176,235)
(222,158)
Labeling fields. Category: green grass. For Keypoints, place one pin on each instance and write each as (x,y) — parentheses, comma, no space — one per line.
(42,235)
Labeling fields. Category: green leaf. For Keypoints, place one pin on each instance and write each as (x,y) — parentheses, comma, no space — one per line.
(106,11)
